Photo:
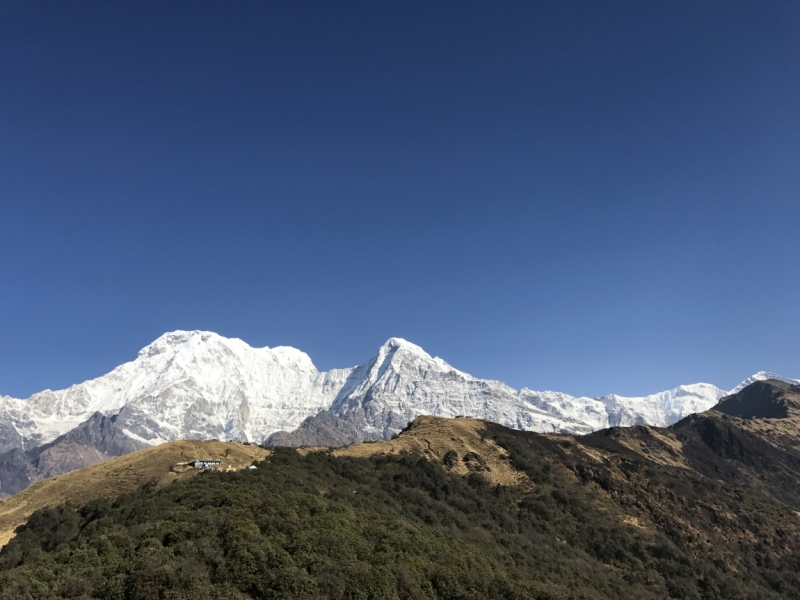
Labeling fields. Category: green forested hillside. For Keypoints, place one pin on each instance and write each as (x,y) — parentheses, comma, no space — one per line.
(593,520)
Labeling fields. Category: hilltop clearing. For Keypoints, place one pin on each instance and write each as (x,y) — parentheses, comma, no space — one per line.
(120,475)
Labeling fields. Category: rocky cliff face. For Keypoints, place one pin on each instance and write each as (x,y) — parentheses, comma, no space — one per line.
(99,438)
(199,385)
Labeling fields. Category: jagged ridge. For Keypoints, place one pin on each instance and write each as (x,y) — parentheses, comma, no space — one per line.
(199,385)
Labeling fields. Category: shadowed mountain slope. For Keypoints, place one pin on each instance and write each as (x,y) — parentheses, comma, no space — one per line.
(324,429)
(770,399)
(92,442)
(758,453)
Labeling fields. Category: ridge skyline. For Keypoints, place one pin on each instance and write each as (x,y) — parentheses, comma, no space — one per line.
(207,366)
(290,350)
(201,385)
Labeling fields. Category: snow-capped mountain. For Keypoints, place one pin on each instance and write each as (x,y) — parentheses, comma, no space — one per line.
(187,385)
(194,384)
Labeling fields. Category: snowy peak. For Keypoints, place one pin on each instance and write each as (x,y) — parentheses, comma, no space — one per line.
(395,343)
(193,344)
(397,352)
(191,384)
(762,376)
(394,352)
(173,340)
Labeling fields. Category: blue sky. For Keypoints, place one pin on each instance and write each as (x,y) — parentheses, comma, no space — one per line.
(581,196)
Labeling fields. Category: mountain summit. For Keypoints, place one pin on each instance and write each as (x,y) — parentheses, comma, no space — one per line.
(769,399)
(200,385)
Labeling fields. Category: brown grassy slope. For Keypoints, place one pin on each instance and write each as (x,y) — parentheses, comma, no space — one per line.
(435,437)
(118,476)
(431,437)
(769,409)
(674,481)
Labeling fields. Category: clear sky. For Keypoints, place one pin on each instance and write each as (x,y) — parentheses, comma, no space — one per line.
(589,197)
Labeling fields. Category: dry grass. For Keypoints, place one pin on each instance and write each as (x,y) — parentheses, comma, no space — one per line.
(433,437)
(659,445)
(781,433)
(120,475)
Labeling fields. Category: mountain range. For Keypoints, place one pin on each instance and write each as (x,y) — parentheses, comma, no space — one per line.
(705,509)
(200,385)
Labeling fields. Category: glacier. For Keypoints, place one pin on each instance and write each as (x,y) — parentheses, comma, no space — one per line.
(198,384)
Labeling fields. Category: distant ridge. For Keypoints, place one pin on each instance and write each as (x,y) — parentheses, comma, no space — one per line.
(200,385)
